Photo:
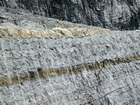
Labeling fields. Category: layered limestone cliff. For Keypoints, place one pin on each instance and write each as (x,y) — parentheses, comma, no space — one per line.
(114,14)
(97,69)
(46,61)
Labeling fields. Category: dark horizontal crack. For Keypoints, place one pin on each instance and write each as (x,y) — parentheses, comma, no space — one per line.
(44,72)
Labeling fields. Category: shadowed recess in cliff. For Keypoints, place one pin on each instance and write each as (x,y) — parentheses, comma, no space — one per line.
(113,14)
(44,72)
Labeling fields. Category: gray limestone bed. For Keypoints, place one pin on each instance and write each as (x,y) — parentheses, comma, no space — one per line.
(114,84)
(118,85)
(71,51)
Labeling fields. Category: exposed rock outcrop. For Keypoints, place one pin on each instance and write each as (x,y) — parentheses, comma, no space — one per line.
(53,62)
(114,14)
(8,32)
(95,69)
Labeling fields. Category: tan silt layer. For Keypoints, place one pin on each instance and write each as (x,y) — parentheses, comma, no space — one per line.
(9,32)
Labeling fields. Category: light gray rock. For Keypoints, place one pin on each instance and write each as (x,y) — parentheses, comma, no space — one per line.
(23,60)
(100,69)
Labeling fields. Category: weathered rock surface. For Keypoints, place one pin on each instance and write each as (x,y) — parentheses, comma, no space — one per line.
(19,18)
(45,61)
(23,24)
(93,70)
(8,32)
(114,14)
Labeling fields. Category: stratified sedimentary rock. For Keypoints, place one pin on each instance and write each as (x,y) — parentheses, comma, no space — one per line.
(95,69)
(45,61)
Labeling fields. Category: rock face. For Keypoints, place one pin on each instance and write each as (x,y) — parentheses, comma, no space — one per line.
(92,70)
(113,14)
(45,61)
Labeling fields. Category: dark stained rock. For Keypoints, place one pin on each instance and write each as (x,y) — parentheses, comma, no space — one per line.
(113,14)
